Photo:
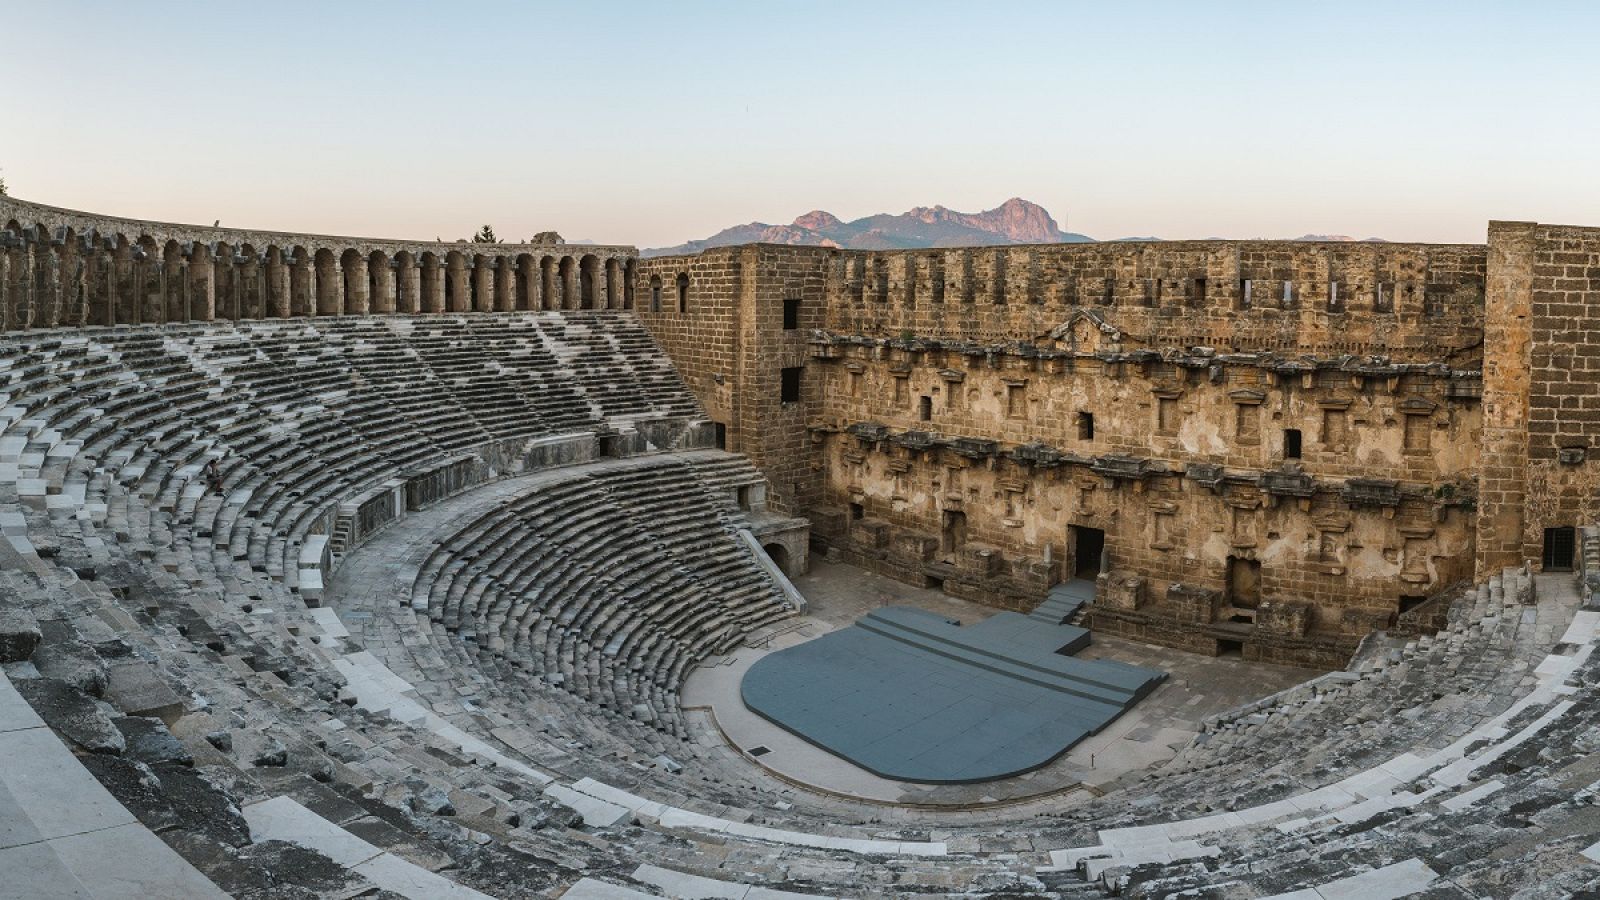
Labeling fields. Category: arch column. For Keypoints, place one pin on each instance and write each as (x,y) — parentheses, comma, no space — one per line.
(505,281)
(278,277)
(483,280)
(408,284)
(202,286)
(7,291)
(456,272)
(381,278)
(49,288)
(353,275)
(330,291)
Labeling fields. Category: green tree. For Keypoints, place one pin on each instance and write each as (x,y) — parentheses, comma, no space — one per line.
(485,235)
(2,187)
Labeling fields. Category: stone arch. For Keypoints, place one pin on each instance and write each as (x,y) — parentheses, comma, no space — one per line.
(380,283)
(613,283)
(353,278)
(526,281)
(505,295)
(480,283)
(251,266)
(568,271)
(173,277)
(655,293)
(588,281)
(683,292)
(274,283)
(779,554)
(329,289)
(456,297)
(548,293)
(432,280)
(147,265)
(406,280)
(302,282)
(630,274)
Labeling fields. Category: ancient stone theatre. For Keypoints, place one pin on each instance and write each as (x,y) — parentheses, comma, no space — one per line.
(340,566)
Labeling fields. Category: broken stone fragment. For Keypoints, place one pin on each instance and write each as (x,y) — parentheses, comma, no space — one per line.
(74,663)
(19,635)
(272,754)
(73,714)
(150,742)
(433,801)
(221,740)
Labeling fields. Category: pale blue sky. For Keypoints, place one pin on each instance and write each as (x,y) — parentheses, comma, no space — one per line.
(652,123)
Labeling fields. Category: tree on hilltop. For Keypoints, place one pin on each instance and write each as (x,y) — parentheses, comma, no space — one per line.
(485,235)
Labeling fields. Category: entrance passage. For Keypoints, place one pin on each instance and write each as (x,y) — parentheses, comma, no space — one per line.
(955,531)
(779,555)
(1088,545)
(1559,544)
(1244,582)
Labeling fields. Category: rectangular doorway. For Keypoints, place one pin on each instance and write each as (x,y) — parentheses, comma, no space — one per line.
(955,531)
(1559,546)
(1088,545)
(1244,583)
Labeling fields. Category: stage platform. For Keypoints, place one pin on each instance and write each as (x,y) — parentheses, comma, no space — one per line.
(908,695)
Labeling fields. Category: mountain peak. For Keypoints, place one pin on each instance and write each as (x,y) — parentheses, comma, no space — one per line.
(818,220)
(1016,221)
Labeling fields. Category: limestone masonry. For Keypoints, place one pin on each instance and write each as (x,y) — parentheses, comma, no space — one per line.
(337,567)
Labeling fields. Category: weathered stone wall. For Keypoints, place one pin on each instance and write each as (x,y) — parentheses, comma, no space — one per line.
(1407,301)
(726,333)
(1542,390)
(943,432)
(1186,466)
(61,267)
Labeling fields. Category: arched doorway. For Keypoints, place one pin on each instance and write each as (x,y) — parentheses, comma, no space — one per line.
(779,555)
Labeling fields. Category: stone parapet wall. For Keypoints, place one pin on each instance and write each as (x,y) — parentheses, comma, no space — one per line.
(63,267)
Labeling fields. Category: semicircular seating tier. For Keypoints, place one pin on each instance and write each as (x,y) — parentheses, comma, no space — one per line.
(494,726)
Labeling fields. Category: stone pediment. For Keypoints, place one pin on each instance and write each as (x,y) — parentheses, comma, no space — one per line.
(1086,331)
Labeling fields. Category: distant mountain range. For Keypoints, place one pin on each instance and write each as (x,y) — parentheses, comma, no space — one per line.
(1015,221)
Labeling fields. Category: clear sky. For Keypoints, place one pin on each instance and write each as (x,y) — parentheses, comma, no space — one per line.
(653,123)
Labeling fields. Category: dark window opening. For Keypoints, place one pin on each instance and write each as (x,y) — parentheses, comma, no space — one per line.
(1408,602)
(1085,426)
(1291,443)
(1383,301)
(1246,288)
(1110,295)
(721,435)
(790,385)
(1558,548)
(1088,546)
(655,293)
(683,292)
(857,512)
(925,408)
(791,313)
(1230,649)
(1198,297)
(1335,299)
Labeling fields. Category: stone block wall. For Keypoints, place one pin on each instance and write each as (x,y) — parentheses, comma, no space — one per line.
(1541,389)
(728,338)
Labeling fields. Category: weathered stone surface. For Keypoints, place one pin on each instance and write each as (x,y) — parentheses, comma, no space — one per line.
(136,689)
(73,713)
(19,634)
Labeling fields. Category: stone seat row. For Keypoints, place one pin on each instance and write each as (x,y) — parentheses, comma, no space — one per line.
(610,585)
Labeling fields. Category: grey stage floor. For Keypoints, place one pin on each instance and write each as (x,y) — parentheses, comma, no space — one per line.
(907,695)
